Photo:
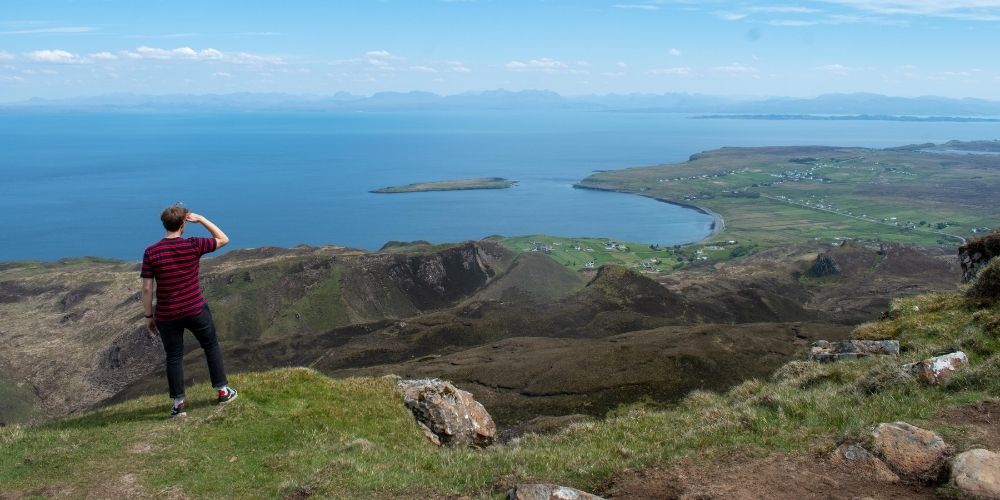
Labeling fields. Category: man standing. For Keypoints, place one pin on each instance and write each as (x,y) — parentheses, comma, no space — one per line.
(173,264)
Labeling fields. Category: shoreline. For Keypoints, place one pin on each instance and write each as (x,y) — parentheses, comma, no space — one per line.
(718,225)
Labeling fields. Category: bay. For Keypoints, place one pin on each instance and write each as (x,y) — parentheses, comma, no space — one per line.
(76,184)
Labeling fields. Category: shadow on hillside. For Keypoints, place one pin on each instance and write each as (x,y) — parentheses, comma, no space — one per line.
(113,416)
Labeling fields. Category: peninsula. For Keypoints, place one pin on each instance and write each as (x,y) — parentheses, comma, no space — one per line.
(450,185)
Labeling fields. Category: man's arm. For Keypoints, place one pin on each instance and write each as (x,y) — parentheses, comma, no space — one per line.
(220,238)
(147,305)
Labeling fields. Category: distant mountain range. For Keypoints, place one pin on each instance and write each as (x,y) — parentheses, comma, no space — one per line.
(827,104)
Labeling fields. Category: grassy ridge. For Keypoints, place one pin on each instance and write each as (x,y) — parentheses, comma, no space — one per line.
(295,430)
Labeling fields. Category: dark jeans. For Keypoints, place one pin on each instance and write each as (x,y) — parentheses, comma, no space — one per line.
(172,335)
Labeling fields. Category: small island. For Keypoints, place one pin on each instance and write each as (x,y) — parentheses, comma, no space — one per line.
(452,185)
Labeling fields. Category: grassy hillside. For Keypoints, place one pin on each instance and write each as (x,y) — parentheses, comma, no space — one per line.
(296,432)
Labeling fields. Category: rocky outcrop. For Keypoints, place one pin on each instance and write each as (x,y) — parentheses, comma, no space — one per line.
(824,351)
(548,492)
(449,415)
(976,254)
(825,265)
(862,463)
(911,451)
(937,370)
(987,283)
(977,472)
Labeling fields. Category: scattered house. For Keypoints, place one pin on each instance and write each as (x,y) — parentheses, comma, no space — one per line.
(589,265)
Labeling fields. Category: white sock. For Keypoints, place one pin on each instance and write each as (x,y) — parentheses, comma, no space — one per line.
(224,388)
(178,401)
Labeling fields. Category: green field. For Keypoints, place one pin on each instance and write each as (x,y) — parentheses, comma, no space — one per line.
(591,253)
(781,195)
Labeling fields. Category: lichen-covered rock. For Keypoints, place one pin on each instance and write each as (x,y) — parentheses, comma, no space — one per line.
(823,350)
(548,492)
(938,370)
(911,451)
(449,413)
(859,461)
(977,472)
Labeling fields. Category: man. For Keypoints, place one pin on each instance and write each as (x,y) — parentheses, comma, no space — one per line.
(172,263)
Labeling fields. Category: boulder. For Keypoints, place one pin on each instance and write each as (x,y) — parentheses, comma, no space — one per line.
(548,492)
(449,413)
(823,350)
(939,369)
(977,472)
(911,451)
(975,254)
(862,463)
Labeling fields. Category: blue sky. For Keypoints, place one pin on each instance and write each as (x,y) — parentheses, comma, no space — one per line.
(62,48)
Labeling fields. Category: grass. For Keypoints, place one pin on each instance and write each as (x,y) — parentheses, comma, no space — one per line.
(295,430)
(576,253)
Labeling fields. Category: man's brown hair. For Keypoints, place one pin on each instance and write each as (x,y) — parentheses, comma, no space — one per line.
(173,216)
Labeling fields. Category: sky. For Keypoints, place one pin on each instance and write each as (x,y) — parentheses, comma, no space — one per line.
(66,48)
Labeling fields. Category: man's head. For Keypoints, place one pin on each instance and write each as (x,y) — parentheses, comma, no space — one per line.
(173,217)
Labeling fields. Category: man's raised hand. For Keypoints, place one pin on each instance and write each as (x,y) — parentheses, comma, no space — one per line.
(193,217)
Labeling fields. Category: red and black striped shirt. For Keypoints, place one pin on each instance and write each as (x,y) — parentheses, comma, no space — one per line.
(173,262)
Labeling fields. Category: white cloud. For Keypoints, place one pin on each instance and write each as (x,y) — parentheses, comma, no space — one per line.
(639,6)
(62,29)
(970,10)
(17,79)
(792,23)
(613,74)
(423,69)
(6,56)
(674,52)
(621,64)
(835,69)
(55,56)
(103,56)
(458,67)
(189,54)
(543,65)
(146,52)
(222,74)
(737,69)
(732,16)
(679,71)
(379,54)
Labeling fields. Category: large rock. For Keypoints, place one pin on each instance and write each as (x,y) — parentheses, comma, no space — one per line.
(548,492)
(823,350)
(862,463)
(911,451)
(449,413)
(939,369)
(975,254)
(977,472)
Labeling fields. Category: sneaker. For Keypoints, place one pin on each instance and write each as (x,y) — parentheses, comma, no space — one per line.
(226,395)
(178,411)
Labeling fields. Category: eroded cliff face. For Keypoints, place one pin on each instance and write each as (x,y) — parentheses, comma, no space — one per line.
(975,254)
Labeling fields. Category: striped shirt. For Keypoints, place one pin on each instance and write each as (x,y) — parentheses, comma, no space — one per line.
(173,262)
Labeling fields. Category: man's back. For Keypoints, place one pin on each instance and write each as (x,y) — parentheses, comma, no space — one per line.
(174,263)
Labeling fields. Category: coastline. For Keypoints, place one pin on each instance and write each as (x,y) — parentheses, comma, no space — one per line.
(719,222)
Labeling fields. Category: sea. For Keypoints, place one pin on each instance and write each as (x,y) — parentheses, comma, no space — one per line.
(76,184)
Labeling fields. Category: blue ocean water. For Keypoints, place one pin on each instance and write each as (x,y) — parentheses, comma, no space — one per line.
(77,184)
